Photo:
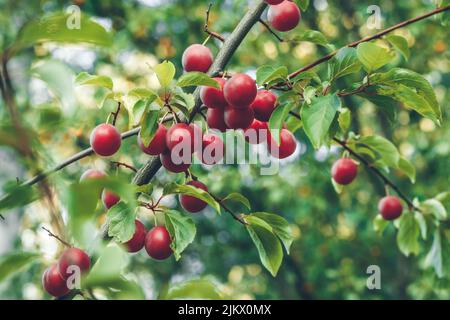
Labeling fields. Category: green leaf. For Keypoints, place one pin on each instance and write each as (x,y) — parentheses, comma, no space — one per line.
(149,122)
(182,231)
(85,78)
(434,256)
(345,62)
(239,198)
(121,222)
(145,188)
(197,79)
(174,188)
(194,289)
(107,273)
(434,207)
(387,104)
(337,187)
(165,72)
(379,224)
(303,4)
(143,93)
(293,124)
(267,244)
(266,74)
(313,36)
(399,43)
(407,168)
(344,119)
(15,262)
(280,227)
(408,235)
(386,153)
(372,56)
(422,224)
(277,119)
(317,117)
(82,199)
(18,196)
(59,79)
(54,28)
(410,88)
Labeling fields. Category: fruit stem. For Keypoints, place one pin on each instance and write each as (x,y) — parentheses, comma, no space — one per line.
(270,30)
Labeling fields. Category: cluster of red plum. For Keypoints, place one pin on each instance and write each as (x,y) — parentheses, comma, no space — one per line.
(344,171)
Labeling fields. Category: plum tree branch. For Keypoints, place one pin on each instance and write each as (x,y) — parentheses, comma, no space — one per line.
(373,37)
(206,27)
(369,166)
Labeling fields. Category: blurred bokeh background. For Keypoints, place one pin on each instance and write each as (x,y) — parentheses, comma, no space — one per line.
(335,240)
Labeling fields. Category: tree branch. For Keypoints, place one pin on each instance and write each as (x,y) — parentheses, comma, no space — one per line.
(369,166)
(375,36)
(270,30)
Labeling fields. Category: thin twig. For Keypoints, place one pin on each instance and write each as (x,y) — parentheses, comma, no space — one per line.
(234,215)
(116,114)
(125,165)
(206,27)
(51,234)
(270,30)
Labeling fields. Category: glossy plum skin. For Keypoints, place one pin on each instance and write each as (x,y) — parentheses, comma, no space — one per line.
(213,149)
(287,146)
(166,160)
(197,57)
(92,174)
(263,105)
(53,283)
(240,90)
(137,242)
(238,118)
(157,243)
(344,171)
(192,204)
(109,198)
(257,133)
(212,97)
(157,145)
(73,257)
(105,140)
(274,2)
(180,133)
(215,119)
(390,208)
(284,16)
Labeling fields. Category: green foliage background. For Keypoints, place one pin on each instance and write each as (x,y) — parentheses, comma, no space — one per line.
(335,240)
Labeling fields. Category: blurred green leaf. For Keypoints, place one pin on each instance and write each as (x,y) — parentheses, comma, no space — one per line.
(194,289)
(313,36)
(85,78)
(54,27)
(18,196)
(344,119)
(407,168)
(14,262)
(59,79)
(434,207)
(434,256)
(386,153)
(266,74)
